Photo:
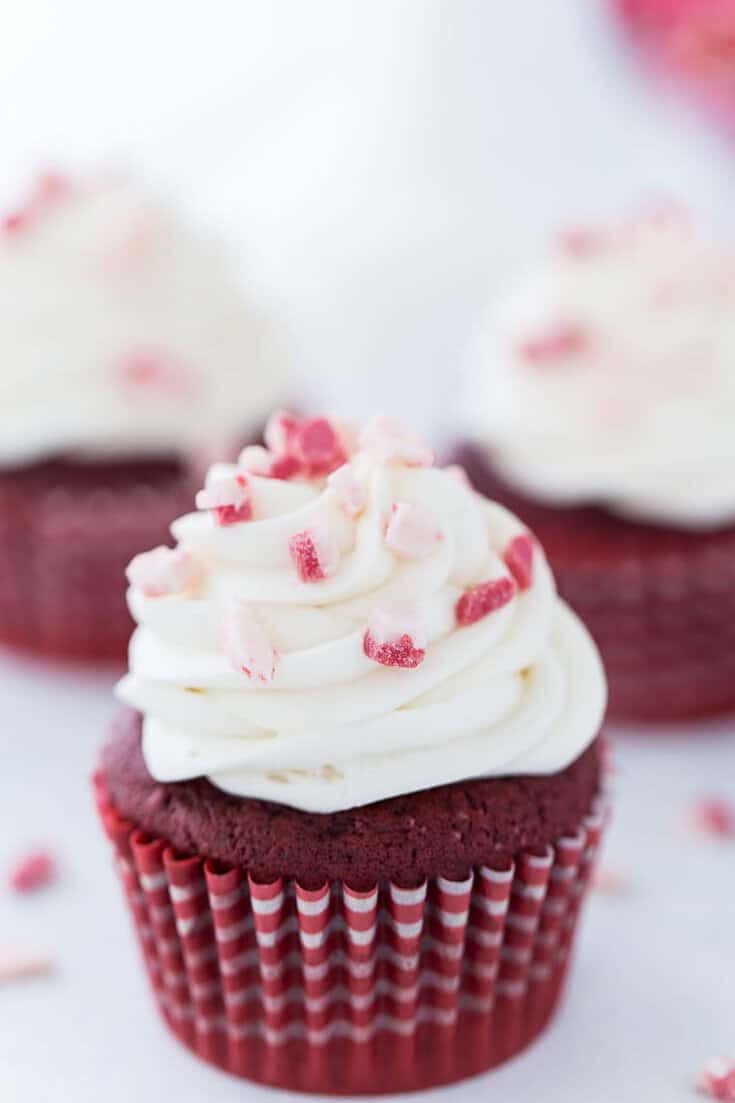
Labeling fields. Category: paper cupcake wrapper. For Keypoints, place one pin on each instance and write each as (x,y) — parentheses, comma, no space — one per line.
(665,626)
(337,991)
(63,559)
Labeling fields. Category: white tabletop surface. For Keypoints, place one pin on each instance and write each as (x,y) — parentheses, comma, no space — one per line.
(383,166)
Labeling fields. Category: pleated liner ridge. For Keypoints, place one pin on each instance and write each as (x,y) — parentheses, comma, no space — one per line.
(337,991)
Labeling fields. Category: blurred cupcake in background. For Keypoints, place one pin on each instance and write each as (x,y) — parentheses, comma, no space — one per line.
(129,353)
(599,404)
(355,794)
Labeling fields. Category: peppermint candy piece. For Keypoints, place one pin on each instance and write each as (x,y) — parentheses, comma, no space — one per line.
(563,342)
(395,637)
(717,1079)
(164,571)
(228,498)
(247,645)
(518,558)
(412,531)
(32,872)
(317,446)
(483,599)
(351,496)
(315,553)
(388,441)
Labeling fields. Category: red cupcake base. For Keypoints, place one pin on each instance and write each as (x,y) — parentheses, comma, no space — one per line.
(659,602)
(67,532)
(341,992)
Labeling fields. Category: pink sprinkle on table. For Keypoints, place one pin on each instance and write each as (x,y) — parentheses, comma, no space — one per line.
(315,553)
(33,871)
(247,645)
(21,963)
(715,817)
(518,558)
(483,599)
(158,374)
(609,881)
(717,1079)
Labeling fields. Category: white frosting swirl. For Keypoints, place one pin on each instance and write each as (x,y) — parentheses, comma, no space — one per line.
(123,334)
(608,376)
(520,691)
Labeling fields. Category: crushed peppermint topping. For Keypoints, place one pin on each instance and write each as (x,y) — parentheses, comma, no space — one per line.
(164,571)
(388,441)
(21,963)
(518,558)
(317,446)
(483,599)
(279,432)
(247,645)
(412,531)
(715,817)
(155,373)
(256,460)
(315,553)
(33,871)
(717,1079)
(350,494)
(395,636)
(228,498)
(561,343)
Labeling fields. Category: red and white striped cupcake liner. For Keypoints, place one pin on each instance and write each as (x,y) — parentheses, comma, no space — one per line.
(338,991)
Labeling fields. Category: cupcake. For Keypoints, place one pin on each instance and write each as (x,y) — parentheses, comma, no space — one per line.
(599,404)
(128,351)
(355,791)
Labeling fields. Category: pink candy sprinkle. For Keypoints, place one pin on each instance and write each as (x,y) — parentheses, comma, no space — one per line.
(317,447)
(21,963)
(609,881)
(247,646)
(228,498)
(164,571)
(350,494)
(315,553)
(717,1079)
(714,817)
(15,222)
(483,599)
(280,431)
(34,871)
(256,460)
(564,342)
(158,374)
(395,637)
(412,531)
(518,558)
(388,441)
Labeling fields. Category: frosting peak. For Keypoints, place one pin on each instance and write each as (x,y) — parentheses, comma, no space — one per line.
(122,333)
(608,375)
(368,626)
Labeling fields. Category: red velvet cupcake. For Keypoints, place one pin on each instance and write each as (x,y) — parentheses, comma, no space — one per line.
(599,402)
(356,793)
(128,352)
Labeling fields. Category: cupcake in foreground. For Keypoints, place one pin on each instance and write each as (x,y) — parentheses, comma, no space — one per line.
(599,405)
(355,793)
(128,350)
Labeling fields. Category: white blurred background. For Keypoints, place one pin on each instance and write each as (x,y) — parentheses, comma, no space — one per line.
(379,168)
